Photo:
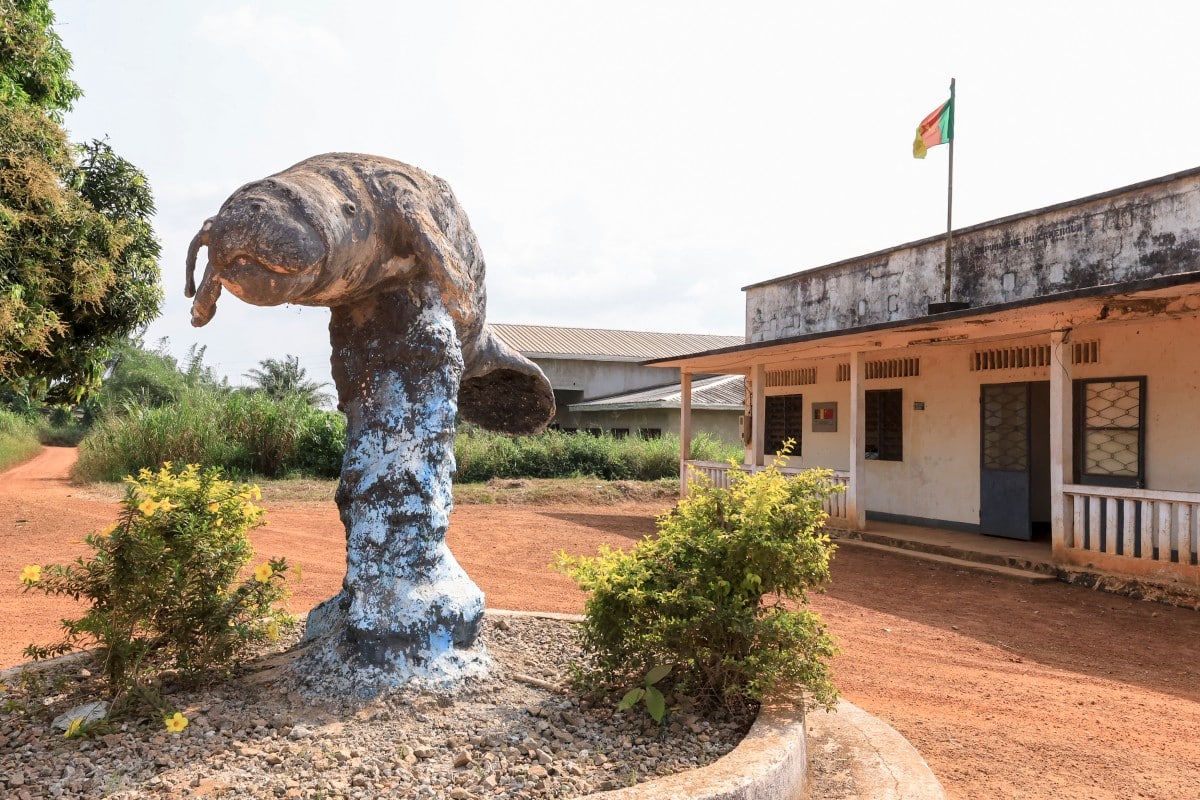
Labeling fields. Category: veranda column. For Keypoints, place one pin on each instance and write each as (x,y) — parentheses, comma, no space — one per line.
(685,430)
(758,414)
(856,494)
(1061,455)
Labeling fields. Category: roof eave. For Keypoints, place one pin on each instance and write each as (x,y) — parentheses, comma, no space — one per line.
(1105,290)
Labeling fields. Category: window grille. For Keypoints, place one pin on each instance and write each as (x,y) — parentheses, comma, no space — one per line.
(885,425)
(1110,419)
(785,420)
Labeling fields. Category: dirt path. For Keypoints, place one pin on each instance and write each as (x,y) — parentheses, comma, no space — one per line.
(1009,690)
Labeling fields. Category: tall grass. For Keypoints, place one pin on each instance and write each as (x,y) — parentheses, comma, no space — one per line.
(244,433)
(481,456)
(253,434)
(18,439)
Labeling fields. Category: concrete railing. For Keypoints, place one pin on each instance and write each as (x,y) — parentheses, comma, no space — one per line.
(1150,526)
(718,473)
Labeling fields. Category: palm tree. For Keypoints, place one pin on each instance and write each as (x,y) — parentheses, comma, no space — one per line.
(282,378)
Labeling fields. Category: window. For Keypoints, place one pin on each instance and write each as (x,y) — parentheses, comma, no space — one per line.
(650,433)
(620,433)
(785,420)
(885,425)
(1110,431)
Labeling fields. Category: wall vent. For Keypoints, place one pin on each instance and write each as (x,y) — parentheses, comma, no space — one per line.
(886,368)
(1031,355)
(1086,352)
(893,368)
(792,377)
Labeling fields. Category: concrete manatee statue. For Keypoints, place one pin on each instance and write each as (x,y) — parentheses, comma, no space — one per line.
(339,227)
(389,250)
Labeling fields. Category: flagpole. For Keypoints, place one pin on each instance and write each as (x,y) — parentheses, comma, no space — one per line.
(949,199)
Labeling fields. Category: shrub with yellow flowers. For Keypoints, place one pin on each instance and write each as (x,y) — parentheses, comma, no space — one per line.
(167,585)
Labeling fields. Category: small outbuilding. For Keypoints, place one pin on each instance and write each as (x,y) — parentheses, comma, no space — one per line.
(602,386)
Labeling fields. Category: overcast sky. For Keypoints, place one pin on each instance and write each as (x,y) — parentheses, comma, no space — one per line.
(631,164)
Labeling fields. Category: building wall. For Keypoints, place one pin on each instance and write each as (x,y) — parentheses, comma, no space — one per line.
(940,474)
(596,379)
(1139,232)
(721,425)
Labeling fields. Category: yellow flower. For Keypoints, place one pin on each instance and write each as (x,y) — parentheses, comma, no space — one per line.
(220,521)
(214,507)
(31,574)
(176,723)
(110,529)
(166,504)
(263,572)
(148,507)
(73,728)
(255,492)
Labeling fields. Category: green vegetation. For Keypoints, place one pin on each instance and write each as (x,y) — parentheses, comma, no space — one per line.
(279,379)
(718,596)
(164,588)
(78,257)
(151,409)
(482,456)
(246,433)
(18,439)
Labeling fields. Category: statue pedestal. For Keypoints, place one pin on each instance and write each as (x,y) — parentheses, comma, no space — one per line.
(406,609)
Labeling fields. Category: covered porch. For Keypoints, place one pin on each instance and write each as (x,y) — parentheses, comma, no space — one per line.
(980,397)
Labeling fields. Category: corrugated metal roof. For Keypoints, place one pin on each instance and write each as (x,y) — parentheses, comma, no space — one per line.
(544,341)
(718,392)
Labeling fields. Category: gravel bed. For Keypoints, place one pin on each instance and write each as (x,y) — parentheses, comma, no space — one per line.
(521,732)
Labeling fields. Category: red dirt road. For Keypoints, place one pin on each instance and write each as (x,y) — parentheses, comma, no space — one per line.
(1009,689)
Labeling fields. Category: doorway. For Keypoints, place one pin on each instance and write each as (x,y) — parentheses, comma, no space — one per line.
(1014,464)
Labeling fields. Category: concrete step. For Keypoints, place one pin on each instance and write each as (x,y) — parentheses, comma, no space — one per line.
(917,550)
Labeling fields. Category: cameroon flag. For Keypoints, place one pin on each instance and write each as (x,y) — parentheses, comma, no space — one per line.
(935,129)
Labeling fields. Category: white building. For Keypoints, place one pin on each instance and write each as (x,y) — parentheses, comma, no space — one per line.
(602,386)
(1060,401)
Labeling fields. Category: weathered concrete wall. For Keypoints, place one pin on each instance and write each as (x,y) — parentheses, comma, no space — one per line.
(1137,232)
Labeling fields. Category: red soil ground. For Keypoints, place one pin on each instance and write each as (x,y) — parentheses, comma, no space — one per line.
(1009,689)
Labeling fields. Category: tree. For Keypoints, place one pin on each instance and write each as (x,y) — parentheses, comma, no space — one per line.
(278,379)
(78,258)
(34,66)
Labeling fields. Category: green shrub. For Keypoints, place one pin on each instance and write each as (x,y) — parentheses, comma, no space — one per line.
(163,584)
(481,455)
(18,439)
(322,445)
(718,595)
